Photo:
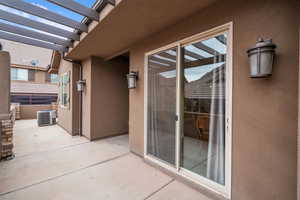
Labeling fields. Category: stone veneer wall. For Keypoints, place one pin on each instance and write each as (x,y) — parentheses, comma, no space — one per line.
(16,106)
(7,138)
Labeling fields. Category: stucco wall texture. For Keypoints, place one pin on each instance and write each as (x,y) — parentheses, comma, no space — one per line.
(105,99)
(86,98)
(264,129)
(4,88)
(5,83)
(23,54)
(298,141)
(40,76)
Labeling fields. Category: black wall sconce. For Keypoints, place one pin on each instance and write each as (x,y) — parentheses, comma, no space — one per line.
(261,58)
(132,78)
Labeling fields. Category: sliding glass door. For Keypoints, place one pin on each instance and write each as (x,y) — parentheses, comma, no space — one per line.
(203,141)
(162,105)
(188,109)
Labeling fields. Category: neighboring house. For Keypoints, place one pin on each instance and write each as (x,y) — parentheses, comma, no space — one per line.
(195,113)
(31,84)
(26,55)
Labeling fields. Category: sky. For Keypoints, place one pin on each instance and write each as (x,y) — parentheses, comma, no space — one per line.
(51,7)
(67,13)
(48,6)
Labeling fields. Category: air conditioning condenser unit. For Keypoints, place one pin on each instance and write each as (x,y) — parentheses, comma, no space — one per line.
(46,117)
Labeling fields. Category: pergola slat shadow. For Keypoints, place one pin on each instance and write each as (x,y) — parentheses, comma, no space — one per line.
(34,34)
(37,25)
(29,41)
(43,13)
(46,34)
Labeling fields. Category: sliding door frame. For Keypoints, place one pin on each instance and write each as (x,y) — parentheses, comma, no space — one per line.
(224,190)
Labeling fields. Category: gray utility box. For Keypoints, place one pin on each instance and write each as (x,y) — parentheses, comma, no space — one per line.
(46,117)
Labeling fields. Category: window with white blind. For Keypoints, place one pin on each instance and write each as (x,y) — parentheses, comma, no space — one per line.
(19,74)
(51,78)
(64,90)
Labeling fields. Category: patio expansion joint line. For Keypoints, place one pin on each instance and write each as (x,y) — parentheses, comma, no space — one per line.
(159,189)
(65,174)
(51,150)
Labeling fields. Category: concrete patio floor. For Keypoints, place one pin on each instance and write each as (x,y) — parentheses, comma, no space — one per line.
(52,165)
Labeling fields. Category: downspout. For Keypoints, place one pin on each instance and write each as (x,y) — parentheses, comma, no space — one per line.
(80,101)
(80,92)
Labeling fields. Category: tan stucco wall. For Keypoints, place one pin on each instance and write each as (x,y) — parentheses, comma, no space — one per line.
(4,88)
(29,111)
(264,156)
(298,141)
(75,99)
(68,117)
(4,83)
(86,98)
(23,54)
(40,76)
(105,110)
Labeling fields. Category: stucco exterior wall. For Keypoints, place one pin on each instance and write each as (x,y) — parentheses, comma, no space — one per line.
(298,141)
(68,117)
(4,89)
(23,54)
(264,129)
(75,99)
(40,76)
(105,110)
(4,83)
(86,98)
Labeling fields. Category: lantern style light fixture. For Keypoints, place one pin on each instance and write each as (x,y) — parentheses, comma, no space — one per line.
(261,58)
(132,78)
(80,85)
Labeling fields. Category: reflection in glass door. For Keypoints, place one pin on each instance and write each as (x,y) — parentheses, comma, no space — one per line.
(203,137)
(161,137)
(191,81)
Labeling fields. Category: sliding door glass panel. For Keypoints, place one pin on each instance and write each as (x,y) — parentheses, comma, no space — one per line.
(162,105)
(203,141)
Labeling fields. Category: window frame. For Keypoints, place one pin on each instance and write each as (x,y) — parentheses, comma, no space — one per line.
(17,76)
(49,78)
(57,79)
(62,92)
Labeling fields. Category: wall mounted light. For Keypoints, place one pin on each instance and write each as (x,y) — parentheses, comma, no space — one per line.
(80,85)
(261,58)
(132,78)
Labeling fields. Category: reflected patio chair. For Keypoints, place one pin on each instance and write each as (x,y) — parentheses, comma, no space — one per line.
(202,126)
